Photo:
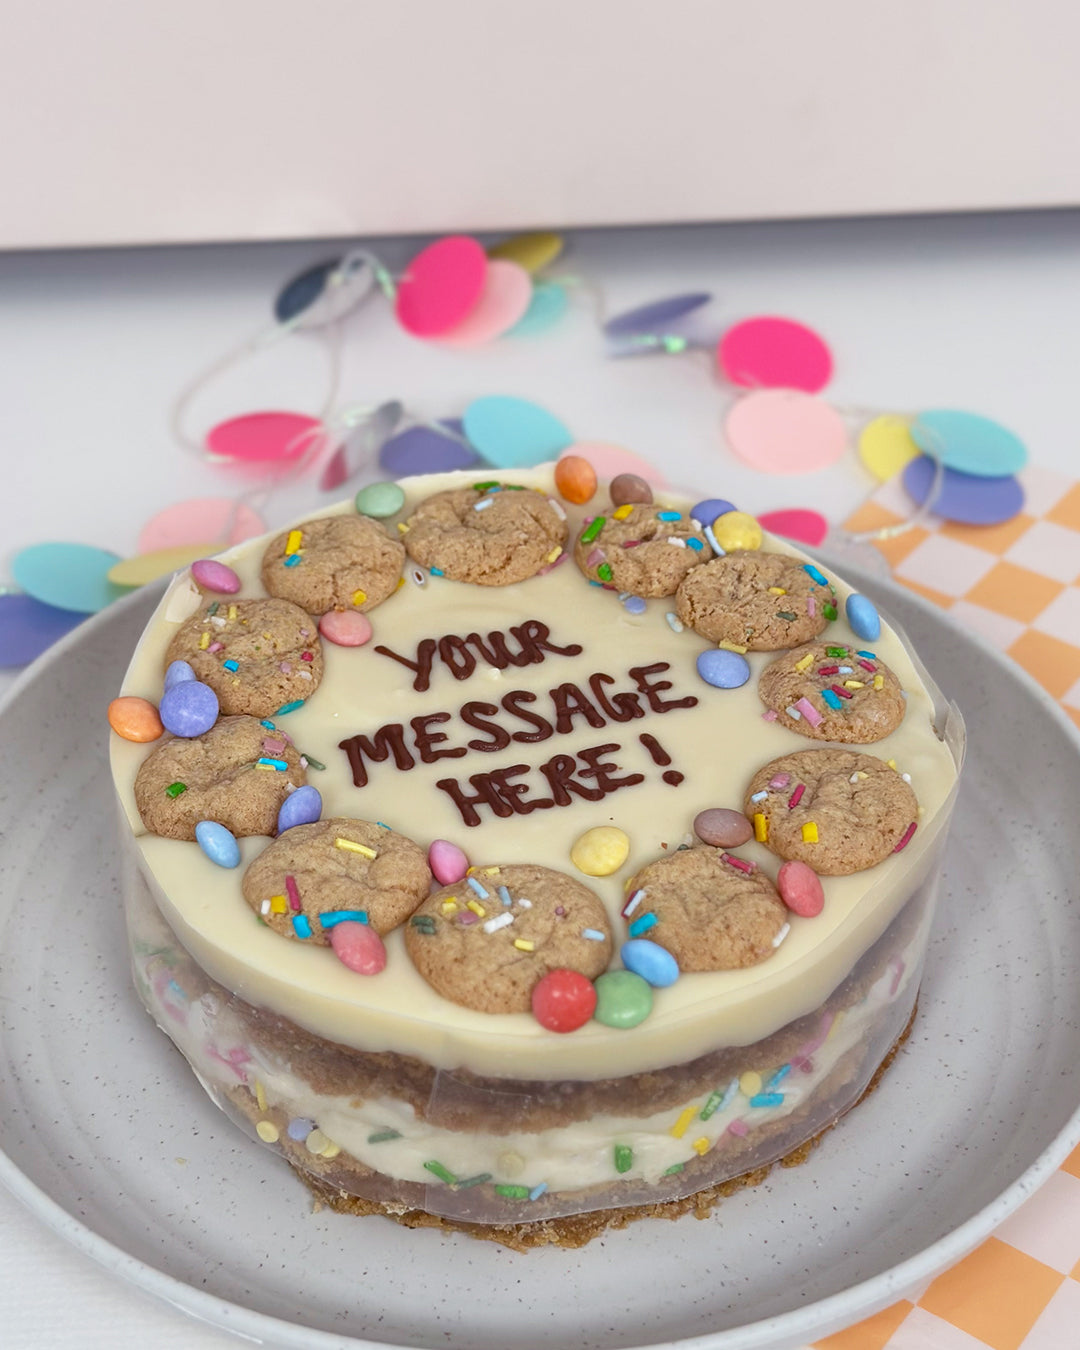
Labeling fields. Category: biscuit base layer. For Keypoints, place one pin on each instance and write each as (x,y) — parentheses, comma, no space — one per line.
(577,1230)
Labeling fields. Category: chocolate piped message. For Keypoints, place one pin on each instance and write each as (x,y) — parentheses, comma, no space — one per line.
(519,717)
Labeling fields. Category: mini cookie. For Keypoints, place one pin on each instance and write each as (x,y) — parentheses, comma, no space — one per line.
(760,601)
(476,950)
(836,810)
(710,915)
(831,692)
(217,776)
(314,876)
(335,562)
(646,550)
(256,655)
(491,538)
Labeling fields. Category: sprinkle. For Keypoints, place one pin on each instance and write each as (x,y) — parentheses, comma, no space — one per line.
(285,667)
(879,681)
(204,641)
(555,553)
(538,1190)
(381,1136)
(216,647)
(310,763)
(624,1157)
(695,544)
(792,711)
(829,611)
(174,790)
(808,710)
(268,725)
(504,896)
(785,614)
(683,1123)
(213,609)
(443,1173)
(841,693)
(673,621)
(854,684)
(738,1128)
(630,543)
(475,886)
(906,839)
(278,905)
(273,744)
(292,891)
(777,590)
(809,833)
(333,917)
(679,543)
(870,656)
(740,863)
(358,597)
(778,1077)
(867,665)
(831,699)
(264,908)
(760,796)
(837,653)
(811,606)
(476,908)
(301,925)
(524,945)
(701,1145)
(596,556)
(815,575)
(465,919)
(731,647)
(828,670)
(295,539)
(307,656)
(418,576)
(232,612)
(349,846)
(477,1180)
(906,777)
(502,920)
(487,487)
(513,1192)
(450,905)
(423,923)
(761,828)
(845,670)
(484,503)
(266,763)
(892,764)
(796,797)
(643,924)
(604,571)
(593,934)
(289,707)
(769,715)
(593,529)
(767,1099)
(557,508)
(622,512)
(805,663)
(781,935)
(293,560)
(525,904)
(720,552)
(633,903)
(719,1100)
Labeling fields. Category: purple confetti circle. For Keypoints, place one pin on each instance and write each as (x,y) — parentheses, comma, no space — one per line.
(28,627)
(965,498)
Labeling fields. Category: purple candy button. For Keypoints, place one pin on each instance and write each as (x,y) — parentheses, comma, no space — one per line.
(706,512)
(28,627)
(189,708)
(965,498)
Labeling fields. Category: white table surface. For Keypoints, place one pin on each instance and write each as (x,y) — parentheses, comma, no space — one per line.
(972,312)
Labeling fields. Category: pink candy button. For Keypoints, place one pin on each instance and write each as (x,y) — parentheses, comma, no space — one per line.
(345,627)
(447,862)
(212,575)
(800,888)
(358,946)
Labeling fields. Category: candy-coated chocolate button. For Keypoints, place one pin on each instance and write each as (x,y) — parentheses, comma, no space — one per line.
(600,851)
(189,708)
(218,843)
(629,489)
(707,511)
(722,828)
(563,1000)
(723,669)
(215,576)
(380,500)
(345,627)
(302,807)
(655,964)
(737,530)
(575,479)
(448,863)
(863,617)
(800,888)
(177,672)
(358,946)
(623,999)
(135,719)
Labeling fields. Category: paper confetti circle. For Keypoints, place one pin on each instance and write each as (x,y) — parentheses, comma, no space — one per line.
(441,286)
(424,450)
(655,315)
(221,519)
(27,628)
(796,523)
(885,445)
(774,353)
(548,304)
(512,433)
(531,251)
(964,497)
(611,460)
(784,431)
(503,302)
(147,567)
(264,437)
(302,291)
(969,443)
(68,576)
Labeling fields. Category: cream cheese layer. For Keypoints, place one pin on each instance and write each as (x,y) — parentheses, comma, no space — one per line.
(712,740)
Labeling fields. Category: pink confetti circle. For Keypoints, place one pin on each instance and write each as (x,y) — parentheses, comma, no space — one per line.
(264,437)
(442,285)
(785,432)
(773,353)
(611,460)
(797,523)
(504,300)
(202,520)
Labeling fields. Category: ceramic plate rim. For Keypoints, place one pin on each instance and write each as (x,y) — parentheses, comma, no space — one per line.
(813,1319)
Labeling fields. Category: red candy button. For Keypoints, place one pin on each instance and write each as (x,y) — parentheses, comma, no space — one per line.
(563,1000)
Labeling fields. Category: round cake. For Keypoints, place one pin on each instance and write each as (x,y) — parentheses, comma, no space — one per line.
(526,867)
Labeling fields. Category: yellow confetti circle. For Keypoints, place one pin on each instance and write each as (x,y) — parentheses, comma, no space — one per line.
(147,567)
(737,530)
(885,445)
(531,251)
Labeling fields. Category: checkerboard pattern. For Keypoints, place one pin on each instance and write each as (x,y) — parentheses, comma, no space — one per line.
(1018,585)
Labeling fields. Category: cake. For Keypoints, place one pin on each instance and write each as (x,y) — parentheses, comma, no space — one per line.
(524,865)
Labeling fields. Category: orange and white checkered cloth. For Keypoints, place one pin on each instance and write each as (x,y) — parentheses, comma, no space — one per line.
(1018,585)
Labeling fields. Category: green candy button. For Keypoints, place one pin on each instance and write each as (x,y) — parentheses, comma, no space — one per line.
(623,999)
(380,500)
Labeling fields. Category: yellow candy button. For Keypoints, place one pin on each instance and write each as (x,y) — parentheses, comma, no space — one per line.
(737,530)
(601,851)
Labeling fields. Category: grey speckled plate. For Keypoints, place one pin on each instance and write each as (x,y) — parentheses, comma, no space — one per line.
(108,1138)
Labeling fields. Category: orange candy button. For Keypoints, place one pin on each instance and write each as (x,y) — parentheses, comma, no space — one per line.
(575,479)
(135,719)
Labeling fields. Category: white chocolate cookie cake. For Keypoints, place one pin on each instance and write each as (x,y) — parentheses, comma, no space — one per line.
(497,897)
